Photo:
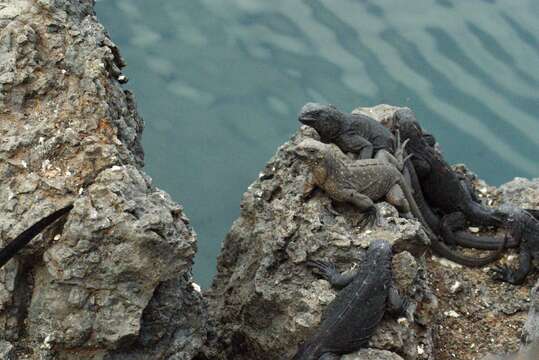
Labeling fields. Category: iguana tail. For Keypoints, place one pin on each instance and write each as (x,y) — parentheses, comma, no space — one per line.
(428,214)
(24,238)
(533,212)
(450,223)
(439,247)
(413,206)
(467,240)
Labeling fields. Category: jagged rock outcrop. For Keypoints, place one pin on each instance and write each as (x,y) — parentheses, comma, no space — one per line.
(264,299)
(112,280)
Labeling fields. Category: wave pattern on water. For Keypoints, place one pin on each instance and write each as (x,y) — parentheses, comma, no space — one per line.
(220,82)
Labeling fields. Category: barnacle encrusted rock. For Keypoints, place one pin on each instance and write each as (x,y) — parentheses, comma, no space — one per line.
(112,280)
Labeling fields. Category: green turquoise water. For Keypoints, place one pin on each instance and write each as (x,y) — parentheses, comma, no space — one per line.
(219,84)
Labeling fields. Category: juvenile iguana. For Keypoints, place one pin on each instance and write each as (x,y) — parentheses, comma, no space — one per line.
(352,317)
(27,235)
(361,182)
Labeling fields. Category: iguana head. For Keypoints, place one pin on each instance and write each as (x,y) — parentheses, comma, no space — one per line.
(311,151)
(325,119)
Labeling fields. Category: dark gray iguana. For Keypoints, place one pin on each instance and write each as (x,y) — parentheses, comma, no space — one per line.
(26,236)
(446,191)
(352,317)
(361,182)
(353,133)
(441,187)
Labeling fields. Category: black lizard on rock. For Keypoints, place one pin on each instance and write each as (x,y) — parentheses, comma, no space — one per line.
(362,135)
(26,236)
(353,133)
(452,196)
(361,182)
(440,185)
(524,228)
(352,317)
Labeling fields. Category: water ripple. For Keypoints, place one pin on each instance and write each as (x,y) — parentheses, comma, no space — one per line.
(219,83)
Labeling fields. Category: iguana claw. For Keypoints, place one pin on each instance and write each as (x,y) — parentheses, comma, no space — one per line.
(326,269)
(501,273)
(407,158)
(370,218)
(400,150)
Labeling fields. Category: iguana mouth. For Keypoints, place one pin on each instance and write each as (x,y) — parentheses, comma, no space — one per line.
(307,119)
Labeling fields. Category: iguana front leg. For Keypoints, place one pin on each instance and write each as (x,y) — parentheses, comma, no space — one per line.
(330,273)
(356,144)
(363,203)
(395,196)
(468,187)
(308,187)
(399,305)
(386,156)
(504,273)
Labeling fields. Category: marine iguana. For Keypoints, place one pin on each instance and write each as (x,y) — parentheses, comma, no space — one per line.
(352,317)
(524,228)
(440,185)
(353,133)
(27,235)
(446,226)
(361,182)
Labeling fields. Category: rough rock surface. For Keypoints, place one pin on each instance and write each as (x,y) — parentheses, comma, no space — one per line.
(264,299)
(111,280)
